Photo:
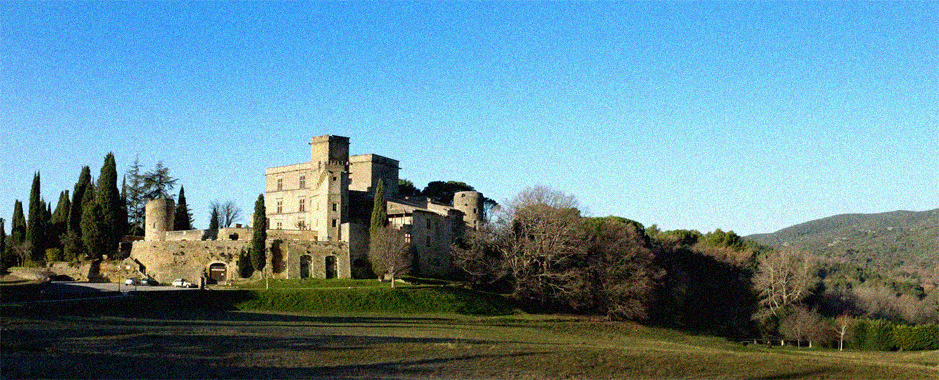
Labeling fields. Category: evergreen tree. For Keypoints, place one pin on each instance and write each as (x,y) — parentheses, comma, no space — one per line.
(58,223)
(123,208)
(34,225)
(46,220)
(214,219)
(379,209)
(136,202)
(108,198)
(17,225)
(3,247)
(94,231)
(183,220)
(158,182)
(259,238)
(75,213)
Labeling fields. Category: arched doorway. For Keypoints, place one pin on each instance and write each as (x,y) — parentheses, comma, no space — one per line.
(305,264)
(218,272)
(330,266)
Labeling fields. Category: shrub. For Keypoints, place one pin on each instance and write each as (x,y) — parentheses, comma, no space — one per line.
(912,338)
(53,254)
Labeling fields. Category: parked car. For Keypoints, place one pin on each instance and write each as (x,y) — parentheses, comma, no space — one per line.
(182,283)
(148,282)
(130,281)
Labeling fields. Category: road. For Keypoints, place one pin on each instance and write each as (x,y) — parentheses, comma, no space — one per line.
(77,287)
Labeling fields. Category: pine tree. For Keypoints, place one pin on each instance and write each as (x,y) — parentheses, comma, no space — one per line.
(108,198)
(183,220)
(17,225)
(34,225)
(94,232)
(259,237)
(214,219)
(158,182)
(75,213)
(379,209)
(136,202)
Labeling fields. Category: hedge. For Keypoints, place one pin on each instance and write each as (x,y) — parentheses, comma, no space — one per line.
(913,338)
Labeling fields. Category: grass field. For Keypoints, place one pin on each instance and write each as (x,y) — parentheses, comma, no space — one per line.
(163,337)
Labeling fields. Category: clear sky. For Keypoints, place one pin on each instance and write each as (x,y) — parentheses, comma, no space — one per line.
(744,116)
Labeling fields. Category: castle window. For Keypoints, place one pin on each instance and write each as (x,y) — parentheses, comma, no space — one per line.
(302,204)
(335,206)
(303,182)
(334,178)
(280,225)
(280,184)
(334,222)
(280,206)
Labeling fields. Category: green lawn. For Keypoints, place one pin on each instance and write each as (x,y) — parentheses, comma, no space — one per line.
(165,337)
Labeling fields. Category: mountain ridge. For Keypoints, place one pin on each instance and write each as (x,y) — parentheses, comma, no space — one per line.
(900,241)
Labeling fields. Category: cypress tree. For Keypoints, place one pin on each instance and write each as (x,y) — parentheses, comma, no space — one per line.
(17,225)
(75,213)
(379,208)
(108,198)
(58,223)
(34,225)
(3,247)
(94,231)
(259,237)
(183,220)
(214,219)
(123,208)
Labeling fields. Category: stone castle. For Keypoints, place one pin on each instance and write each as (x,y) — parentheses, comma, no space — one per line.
(318,215)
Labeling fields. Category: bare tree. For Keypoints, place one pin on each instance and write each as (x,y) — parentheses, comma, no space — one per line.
(623,268)
(228,213)
(479,254)
(843,326)
(783,279)
(389,252)
(545,252)
(802,324)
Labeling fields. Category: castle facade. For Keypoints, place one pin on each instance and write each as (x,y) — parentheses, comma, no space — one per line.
(318,219)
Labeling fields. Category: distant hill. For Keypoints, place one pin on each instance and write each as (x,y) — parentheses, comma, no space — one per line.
(899,241)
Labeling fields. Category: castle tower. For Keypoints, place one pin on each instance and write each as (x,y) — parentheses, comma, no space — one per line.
(471,204)
(160,215)
(329,156)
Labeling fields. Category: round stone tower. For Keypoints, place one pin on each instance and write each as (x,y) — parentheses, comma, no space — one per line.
(471,204)
(161,214)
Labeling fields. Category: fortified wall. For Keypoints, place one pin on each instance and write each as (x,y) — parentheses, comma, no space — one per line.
(166,255)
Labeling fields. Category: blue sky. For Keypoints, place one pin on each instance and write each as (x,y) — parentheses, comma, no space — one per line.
(745,116)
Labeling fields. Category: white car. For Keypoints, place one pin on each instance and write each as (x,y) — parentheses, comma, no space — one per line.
(182,283)
(130,281)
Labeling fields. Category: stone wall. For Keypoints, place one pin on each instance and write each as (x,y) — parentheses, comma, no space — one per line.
(166,261)
(169,260)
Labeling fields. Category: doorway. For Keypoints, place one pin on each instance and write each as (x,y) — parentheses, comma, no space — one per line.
(218,273)
(305,262)
(330,266)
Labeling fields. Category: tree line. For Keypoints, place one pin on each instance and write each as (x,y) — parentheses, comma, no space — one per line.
(542,251)
(88,222)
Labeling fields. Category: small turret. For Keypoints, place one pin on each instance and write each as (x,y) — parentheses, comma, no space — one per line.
(161,214)
(471,204)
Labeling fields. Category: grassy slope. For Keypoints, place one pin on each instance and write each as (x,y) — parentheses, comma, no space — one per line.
(132,337)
